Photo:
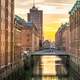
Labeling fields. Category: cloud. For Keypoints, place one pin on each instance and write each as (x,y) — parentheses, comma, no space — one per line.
(55,18)
(55,13)
(59,1)
(49,6)
(49,9)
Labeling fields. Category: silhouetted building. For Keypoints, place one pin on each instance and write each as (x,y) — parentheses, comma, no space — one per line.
(36,16)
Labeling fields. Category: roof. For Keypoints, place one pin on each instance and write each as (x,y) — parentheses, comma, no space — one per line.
(17,17)
(75,7)
(24,23)
(29,24)
(21,21)
(63,27)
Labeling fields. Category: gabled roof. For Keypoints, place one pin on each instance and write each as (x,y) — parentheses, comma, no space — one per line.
(22,22)
(19,20)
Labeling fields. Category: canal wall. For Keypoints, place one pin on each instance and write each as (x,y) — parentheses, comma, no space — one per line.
(13,71)
(74,69)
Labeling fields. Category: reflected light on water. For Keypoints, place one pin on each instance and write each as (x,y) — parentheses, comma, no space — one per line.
(49,67)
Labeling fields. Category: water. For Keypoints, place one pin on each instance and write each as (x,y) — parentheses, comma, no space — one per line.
(48,68)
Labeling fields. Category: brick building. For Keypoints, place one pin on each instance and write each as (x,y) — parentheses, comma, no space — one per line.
(36,16)
(71,40)
(6,35)
(74,28)
(62,37)
(58,38)
(27,35)
(17,40)
(66,37)
(30,37)
(75,37)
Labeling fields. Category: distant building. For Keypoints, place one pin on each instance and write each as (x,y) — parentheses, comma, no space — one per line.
(66,37)
(62,37)
(36,16)
(30,37)
(46,44)
(58,38)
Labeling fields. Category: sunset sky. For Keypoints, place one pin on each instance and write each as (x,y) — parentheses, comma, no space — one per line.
(55,13)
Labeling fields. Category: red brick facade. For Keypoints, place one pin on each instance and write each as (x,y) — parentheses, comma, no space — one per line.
(62,37)
(30,38)
(17,42)
(75,31)
(29,35)
(6,32)
(71,38)
(6,36)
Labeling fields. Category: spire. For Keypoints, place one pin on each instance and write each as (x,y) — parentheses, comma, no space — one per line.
(33,3)
(34,8)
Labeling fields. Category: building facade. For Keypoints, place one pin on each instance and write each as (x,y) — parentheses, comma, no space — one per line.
(62,37)
(66,37)
(17,41)
(30,37)
(36,16)
(58,38)
(27,36)
(75,40)
(71,40)
(74,28)
(6,34)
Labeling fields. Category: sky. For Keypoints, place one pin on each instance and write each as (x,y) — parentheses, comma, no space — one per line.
(55,13)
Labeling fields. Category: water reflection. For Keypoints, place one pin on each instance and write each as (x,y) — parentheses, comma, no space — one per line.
(49,78)
(49,68)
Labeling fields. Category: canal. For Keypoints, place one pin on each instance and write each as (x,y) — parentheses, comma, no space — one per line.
(46,65)
(51,65)
(49,68)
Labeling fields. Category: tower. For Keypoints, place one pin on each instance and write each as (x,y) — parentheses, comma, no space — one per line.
(36,16)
